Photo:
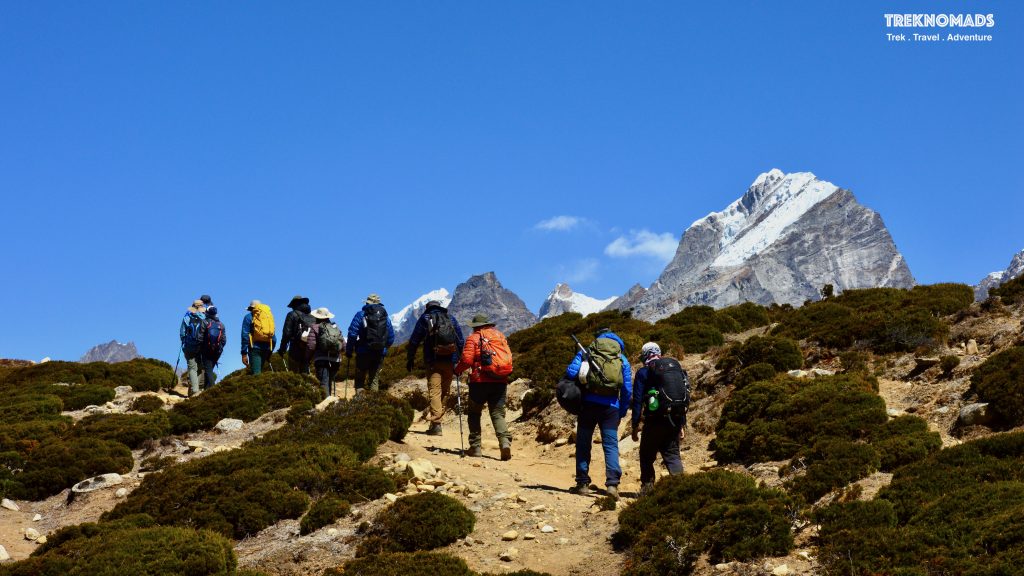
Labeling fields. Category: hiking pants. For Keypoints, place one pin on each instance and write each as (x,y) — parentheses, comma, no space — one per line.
(297,360)
(257,358)
(209,377)
(439,387)
(607,419)
(368,369)
(492,394)
(325,372)
(193,360)
(658,436)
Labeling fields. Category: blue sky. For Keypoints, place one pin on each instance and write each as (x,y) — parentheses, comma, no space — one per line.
(153,151)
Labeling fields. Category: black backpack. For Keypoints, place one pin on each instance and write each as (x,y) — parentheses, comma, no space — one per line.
(673,386)
(215,339)
(303,323)
(375,328)
(443,333)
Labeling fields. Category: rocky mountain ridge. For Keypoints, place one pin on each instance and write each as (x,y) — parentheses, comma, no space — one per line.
(484,294)
(780,242)
(1015,269)
(112,351)
(563,299)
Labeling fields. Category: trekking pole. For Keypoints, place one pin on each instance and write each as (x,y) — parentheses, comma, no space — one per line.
(174,381)
(458,413)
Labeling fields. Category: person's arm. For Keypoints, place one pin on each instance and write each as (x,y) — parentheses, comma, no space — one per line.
(469,352)
(419,332)
(626,392)
(246,329)
(640,389)
(391,334)
(574,367)
(460,340)
(182,329)
(353,332)
(287,333)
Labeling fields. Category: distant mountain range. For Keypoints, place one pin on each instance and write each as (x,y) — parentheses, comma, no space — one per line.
(562,299)
(1015,269)
(405,319)
(785,238)
(112,351)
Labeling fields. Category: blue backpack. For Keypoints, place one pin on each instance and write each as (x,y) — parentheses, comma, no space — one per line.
(213,344)
(194,330)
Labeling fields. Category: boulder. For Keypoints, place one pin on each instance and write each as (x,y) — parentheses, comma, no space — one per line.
(799,373)
(97,483)
(121,492)
(4,556)
(10,505)
(196,445)
(510,535)
(37,517)
(972,347)
(976,414)
(510,554)
(781,570)
(548,529)
(229,425)
(122,390)
(31,534)
(421,468)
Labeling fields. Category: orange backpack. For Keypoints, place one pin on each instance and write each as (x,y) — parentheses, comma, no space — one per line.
(494,346)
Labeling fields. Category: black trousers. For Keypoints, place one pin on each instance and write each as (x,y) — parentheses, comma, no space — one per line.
(658,436)
(367,367)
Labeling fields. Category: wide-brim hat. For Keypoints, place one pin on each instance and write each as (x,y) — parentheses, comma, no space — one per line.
(297,300)
(373,299)
(254,304)
(321,314)
(480,320)
(197,306)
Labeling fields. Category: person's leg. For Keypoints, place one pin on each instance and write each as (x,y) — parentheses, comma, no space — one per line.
(609,424)
(670,450)
(496,404)
(649,445)
(447,372)
(435,395)
(323,374)
(209,377)
(297,361)
(193,373)
(585,424)
(475,406)
(255,360)
(360,377)
(373,370)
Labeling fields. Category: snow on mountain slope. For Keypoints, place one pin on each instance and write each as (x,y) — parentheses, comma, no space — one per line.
(405,319)
(1015,269)
(562,299)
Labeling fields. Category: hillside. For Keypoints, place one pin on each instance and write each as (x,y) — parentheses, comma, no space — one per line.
(887,407)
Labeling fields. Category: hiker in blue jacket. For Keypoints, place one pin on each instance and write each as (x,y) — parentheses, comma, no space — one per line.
(369,335)
(192,333)
(601,411)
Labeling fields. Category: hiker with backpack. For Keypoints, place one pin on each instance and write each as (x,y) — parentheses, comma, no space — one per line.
(325,344)
(258,338)
(442,342)
(606,379)
(294,334)
(659,412)
(486,354)
(369,335)
(192,332)
(214,340)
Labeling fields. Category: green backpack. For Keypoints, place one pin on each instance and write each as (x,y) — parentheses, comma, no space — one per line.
(607,355)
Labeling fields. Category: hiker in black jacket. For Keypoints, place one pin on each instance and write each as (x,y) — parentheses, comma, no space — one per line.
(296,323)
(442,341)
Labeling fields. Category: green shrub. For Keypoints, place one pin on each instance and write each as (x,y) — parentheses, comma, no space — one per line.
(958,511)
(243,397)
(702,316)
(90,549)
(147,403)
(132,430)
(833,463)
(404,564)
(904,440)
(721,513)
(782,354)
(1000,382)
(854,361)
(54,466)
(748,315)
(30,407)
(323,512)
(949,363)
(754,373)
(668,546)
(79,396)
(420,522)
(1011,292)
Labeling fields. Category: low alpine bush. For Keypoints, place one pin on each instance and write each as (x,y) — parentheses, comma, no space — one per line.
(782,354)
(1011,292)
(1000,382)
(147,403)
(721,513)
(244,397)
(57,465)
(323,512)
(404,564)
(420,522)
(79,396)
(132,430)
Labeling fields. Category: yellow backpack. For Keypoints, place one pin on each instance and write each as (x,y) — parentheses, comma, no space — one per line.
(262,324)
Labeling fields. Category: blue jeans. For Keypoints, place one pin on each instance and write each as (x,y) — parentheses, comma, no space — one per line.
(607,419)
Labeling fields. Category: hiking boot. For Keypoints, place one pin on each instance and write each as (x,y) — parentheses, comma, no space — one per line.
(646,488)
(612,491)
(506,453)
(581,489)
(435,429)
(475,452)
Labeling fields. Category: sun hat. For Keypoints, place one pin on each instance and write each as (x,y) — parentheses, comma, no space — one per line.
(297,300)
(321,314)
(197,306)
(373,299)
(480,320)
(254,304)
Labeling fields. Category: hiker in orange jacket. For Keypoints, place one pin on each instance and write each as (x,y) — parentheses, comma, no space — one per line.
(488,358)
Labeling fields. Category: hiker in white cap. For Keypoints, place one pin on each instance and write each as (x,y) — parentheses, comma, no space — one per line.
(325,344)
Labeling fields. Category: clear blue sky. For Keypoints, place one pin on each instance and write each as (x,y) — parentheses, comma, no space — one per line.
(154,151)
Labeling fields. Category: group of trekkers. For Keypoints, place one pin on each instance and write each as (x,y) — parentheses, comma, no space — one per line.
(598,387)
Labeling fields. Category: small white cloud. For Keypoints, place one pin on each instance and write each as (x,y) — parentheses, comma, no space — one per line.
(581,271)
(559,223)
(643,243)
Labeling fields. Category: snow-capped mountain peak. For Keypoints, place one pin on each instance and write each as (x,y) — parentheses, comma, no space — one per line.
(763,214)
(405,319)
(1015,269)
(562,299)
